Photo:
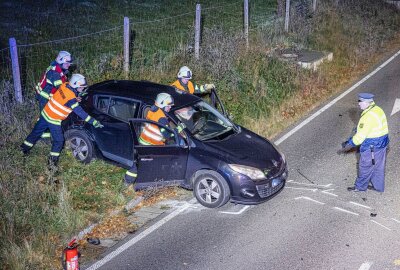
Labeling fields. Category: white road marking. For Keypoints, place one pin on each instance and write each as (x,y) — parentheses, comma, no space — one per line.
(361,205)
(330,104)
(398,221)
(326,192)
(310,189)
(396,106)
(383,226)
(346,211)
(236,213)
(365,266)
(308,184)
(309,199)
(140,236)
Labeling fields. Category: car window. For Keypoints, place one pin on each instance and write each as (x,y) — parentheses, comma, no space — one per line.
(102,104)
(150,135)
(123,108)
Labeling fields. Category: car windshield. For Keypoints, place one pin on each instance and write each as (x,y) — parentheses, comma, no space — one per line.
(204,122)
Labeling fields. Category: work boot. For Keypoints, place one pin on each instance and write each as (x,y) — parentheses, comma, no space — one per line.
(354,189)
(53,161)
(25,149)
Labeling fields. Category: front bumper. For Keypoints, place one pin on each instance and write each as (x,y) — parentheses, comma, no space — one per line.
(246,191)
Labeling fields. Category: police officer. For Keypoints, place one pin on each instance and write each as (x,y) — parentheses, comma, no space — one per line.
(373,138)
(183,82)
(60,105)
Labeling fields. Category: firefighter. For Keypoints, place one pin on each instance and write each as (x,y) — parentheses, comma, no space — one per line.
(54,76)
(60,105)
(183,83)
(152,134)
(372,136)
(131,175)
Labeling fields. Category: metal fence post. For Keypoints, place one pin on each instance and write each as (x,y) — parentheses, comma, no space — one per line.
(126,46)
(197,32)
(246,22)
(15,69)
(287,16)
(314,5)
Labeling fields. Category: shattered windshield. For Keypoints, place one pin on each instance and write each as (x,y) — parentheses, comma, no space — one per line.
(203,121)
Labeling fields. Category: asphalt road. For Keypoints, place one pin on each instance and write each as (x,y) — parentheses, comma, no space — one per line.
(314,223)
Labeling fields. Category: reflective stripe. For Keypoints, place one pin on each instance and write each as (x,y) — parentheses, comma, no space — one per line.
(75,105)
(65,109)
(49,104)
(152,135)
(88,118)
(57,83)
(153,128)
(48,81)
(143,142)
(28,143)
(131,174)
(51,120)
(54,154)
(45,135)
(44,94)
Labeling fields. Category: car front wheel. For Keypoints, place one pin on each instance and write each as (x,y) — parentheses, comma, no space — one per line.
(80,144)
(211,189)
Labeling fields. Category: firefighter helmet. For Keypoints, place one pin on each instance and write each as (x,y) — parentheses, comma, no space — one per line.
(184,73)
(163,100)
(77,80)
(64,57)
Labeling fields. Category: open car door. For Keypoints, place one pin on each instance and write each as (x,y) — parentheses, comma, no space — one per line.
(159,165)
(213,99)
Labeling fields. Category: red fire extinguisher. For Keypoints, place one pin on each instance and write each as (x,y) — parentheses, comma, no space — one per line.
(70,259)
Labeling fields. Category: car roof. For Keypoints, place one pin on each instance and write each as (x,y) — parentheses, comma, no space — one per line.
(142,90)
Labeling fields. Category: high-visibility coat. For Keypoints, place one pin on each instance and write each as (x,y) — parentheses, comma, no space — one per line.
(372,129)
(52,79)
(61,104)
(152,134)
(189,87)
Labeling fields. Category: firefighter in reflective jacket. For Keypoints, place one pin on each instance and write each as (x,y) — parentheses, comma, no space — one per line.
(183,82)
(54,76)
(60,105)
(152,134)
(373,138)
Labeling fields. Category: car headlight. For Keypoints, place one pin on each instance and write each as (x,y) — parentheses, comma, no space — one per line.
(251,172)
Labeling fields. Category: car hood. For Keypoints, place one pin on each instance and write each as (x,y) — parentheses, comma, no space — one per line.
(247,148)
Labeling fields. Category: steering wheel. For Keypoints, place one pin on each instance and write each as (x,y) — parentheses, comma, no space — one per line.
(199,125)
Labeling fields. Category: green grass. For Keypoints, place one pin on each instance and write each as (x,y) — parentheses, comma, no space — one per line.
(261,92)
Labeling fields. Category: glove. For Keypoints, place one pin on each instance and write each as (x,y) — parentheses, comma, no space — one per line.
(208,87)
(346,148)
(97,124)
(180,127)
(82,94)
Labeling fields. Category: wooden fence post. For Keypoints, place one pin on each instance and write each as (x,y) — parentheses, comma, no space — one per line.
(246,22)
(197,32)
(15,70)
(126,46)
(287,16)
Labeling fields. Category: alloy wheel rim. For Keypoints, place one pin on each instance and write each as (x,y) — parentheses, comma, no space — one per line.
(79,148)
(209,190)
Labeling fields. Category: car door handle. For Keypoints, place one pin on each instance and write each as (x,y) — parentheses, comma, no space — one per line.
(146,159)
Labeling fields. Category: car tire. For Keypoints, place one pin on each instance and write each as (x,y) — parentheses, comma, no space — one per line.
(80,145)
(210,189)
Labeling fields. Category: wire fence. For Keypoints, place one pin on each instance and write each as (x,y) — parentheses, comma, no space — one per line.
(153,44)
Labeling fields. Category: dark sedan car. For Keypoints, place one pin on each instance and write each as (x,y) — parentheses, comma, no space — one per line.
(216,158)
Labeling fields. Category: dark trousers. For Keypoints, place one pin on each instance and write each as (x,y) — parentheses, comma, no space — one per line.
(368,172)
(131,174)
(56,135)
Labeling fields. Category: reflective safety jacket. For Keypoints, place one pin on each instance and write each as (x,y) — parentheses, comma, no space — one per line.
(61,104)
(51,80)
(372,129)
(189,87)
(152,134)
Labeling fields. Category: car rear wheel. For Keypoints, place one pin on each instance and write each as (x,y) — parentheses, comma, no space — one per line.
(80,144)
(211,189)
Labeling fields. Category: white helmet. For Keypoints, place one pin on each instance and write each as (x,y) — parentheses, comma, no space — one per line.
(64,57)
(184,72)
(77,80)
(164,100)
